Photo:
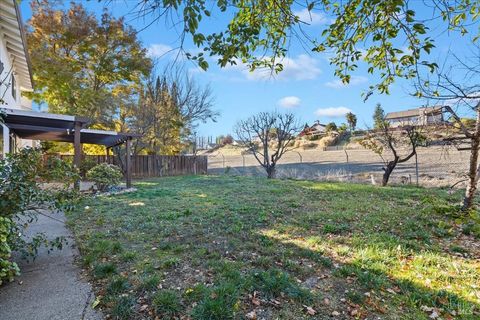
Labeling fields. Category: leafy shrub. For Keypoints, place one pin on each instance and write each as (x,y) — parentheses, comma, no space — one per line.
(20,195)
(105,176)
(56,169)
(86,165)
(8,269)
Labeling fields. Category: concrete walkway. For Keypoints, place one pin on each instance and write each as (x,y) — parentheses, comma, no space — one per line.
(51,287)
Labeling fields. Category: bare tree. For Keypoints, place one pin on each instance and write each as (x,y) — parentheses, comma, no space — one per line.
(457,86)
(389,139)
(268,135)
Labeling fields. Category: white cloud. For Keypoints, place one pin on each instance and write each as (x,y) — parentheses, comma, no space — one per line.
(354,80)
(336,112)
(312,18)
(159,50)
(302,67)
(289,102)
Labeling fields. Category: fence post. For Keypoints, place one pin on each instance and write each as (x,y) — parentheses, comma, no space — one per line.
(301,158)
(243,160)
(223,157)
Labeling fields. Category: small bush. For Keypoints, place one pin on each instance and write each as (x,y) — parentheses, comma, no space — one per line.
(167,303)
(105,176)
(86,165)
(21,194)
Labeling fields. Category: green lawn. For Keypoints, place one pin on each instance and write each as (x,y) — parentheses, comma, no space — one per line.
(212,247)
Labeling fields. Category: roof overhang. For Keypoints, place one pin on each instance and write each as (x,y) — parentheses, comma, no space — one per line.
(11,26)
(56,127)
(415,112)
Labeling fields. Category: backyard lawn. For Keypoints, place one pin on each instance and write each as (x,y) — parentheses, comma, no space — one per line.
(224,247)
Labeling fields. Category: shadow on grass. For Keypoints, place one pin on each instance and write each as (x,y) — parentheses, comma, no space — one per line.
(384,245)
(390,294)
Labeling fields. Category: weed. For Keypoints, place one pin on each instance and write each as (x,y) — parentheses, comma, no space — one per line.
(167,303)
(355,297)
(117,285)
(149,282)
(103,270)
(128,256)
(335,228)
(170,263)
(220,304)
(123,308)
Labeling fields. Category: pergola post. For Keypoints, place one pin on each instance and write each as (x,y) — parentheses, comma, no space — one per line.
(6,139)
(128,174)
(77,148)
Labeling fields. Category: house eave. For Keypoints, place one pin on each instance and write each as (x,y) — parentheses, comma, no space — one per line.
(15,41)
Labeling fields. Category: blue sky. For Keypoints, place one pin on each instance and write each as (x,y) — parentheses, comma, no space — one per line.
(306,87)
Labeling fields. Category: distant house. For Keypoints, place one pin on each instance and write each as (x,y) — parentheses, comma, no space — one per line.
(315,130)
(422,116)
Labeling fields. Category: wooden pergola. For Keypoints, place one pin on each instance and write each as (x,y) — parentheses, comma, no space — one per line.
(42,126)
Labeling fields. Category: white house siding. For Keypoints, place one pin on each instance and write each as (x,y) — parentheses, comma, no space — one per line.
(12,97)
(9,100)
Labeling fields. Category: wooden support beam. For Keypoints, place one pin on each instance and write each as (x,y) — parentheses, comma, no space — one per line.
(128,174)
(77,147)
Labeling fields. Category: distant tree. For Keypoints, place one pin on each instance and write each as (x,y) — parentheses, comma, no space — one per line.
(228,139)
(342,128)
(167,111)
(157,118)
(82,64)
(219,139)
(387,142)
(378,117)
(332,126)
(351,120)
(268,135)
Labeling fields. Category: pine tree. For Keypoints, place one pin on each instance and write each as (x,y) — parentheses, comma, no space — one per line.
(378,117)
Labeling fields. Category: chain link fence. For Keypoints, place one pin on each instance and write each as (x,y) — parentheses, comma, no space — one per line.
(433,166)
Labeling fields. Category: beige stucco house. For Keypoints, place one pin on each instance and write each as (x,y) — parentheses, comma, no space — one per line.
(423,116)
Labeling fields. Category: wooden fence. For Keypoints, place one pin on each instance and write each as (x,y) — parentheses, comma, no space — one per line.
(144,166)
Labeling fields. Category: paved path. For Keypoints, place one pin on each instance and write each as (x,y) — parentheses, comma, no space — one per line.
(51,287)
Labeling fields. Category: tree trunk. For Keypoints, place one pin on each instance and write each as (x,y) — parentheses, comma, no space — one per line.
(388,171)
(473,170)
(271,171)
